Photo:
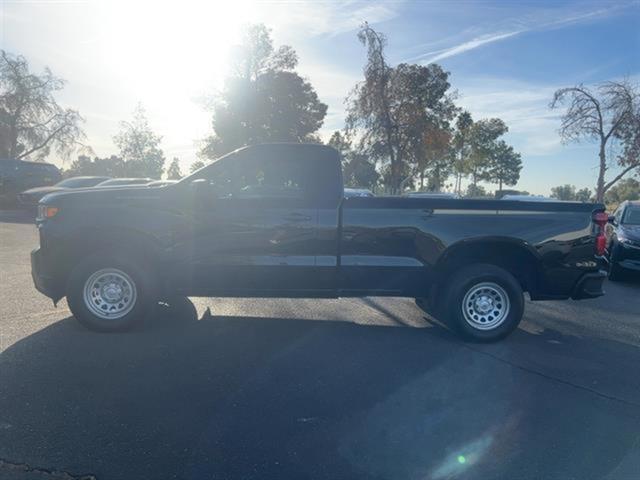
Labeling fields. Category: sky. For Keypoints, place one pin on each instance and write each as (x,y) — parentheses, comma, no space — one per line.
(506,58)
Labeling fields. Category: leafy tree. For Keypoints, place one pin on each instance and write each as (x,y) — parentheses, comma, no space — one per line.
(197,165)
(504,165)
(112,166)
(264,100)
(436,163)
(462,147)
(609,115)
(174,172)
(478,152)
(357,170)
(140,147)
(627,189)
(476,191)
(484,147)
(390,110)
(584,195)
(32,124)
(564,192)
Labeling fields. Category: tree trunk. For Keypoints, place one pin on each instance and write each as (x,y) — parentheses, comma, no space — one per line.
(13,141)
(601,173)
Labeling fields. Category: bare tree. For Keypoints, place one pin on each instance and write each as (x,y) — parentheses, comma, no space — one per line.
(31,121)
(608,115)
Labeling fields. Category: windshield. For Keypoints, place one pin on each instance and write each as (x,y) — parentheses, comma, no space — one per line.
(632,216)
(124,181)
(80,182)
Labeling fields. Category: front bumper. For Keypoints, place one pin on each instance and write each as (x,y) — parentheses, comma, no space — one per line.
(590,285)
(628,256)
(43,277)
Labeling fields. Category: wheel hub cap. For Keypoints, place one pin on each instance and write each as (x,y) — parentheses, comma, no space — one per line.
(110,293)
(485,306)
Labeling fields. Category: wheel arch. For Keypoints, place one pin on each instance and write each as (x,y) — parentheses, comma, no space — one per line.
(513,255)
(142,247)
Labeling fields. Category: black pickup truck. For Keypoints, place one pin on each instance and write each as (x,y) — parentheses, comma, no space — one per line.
(272,221)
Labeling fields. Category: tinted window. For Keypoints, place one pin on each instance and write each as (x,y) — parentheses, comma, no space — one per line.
(44,168)
(247,178)
(632,216)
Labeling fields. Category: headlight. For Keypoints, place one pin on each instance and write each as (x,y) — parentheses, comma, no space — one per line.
(46,211)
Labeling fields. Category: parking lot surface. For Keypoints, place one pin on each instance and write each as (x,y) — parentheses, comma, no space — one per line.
(313,389)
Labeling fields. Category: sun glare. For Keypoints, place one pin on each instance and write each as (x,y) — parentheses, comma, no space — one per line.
(162,49)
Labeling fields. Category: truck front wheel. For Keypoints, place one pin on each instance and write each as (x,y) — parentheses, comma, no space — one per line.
(483,302)
(110,294)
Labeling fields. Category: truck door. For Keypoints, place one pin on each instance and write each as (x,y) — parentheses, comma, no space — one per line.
(256,226)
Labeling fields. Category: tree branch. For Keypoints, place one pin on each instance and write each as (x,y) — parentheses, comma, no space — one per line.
(620,175)
(50,137)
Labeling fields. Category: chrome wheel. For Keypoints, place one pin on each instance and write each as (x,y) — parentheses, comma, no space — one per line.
(109,293)
(485,306)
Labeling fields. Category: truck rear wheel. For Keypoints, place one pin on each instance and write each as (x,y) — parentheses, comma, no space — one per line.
(483,302)
(110,294)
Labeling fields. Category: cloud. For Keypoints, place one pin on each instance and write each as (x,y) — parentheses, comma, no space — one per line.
(469,45)
(542,20)
(327,17)
(524,107)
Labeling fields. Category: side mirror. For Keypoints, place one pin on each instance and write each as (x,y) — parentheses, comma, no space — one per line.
(612,220)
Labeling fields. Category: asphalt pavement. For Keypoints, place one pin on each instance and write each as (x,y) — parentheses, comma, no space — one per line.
(313,389)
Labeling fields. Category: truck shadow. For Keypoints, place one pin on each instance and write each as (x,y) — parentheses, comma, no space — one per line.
(240,397)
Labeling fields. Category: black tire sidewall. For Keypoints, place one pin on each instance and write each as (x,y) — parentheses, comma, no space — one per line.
(461,282)
(145,293)
(615,270)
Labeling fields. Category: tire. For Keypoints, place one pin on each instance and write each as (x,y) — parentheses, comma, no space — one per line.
(424,305)
(483,302)
(110,294)
(616,272)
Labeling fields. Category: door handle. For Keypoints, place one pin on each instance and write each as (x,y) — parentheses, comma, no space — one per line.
(297,217)
(427,213)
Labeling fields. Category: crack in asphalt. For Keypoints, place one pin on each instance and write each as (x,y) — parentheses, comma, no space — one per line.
(7,466)
(552,378)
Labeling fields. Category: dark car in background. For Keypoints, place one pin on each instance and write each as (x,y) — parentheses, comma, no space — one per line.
(19,175)
(120,182)
(623,240)
(31,197)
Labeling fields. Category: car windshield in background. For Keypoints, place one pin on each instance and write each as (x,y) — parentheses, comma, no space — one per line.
(79,182)
(117,182)
(632,216)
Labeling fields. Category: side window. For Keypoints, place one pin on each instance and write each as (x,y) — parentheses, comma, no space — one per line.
(256,178)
